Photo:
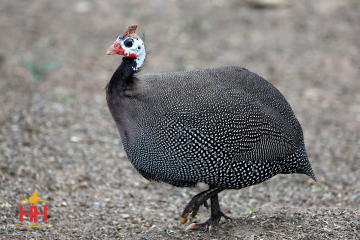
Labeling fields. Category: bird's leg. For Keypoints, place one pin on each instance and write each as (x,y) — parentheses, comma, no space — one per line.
(195,203)
(216,212)
(206,205)
(216,215)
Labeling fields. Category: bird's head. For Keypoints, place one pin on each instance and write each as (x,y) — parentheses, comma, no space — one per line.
(130,45)
(34,194)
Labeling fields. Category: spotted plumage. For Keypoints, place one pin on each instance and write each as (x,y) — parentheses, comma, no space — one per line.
(226,127)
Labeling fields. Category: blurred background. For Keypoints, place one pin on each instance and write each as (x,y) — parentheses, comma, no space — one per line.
(57,137)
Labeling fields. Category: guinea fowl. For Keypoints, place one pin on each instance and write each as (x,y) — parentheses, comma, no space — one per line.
(226,127)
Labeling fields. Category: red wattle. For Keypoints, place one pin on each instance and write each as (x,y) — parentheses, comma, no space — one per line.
(119,49)
(130,55)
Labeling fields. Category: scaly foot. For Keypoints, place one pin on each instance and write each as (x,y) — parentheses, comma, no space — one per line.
(194,205)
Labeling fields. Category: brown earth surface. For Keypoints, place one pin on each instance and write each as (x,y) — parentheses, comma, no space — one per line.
(58,139)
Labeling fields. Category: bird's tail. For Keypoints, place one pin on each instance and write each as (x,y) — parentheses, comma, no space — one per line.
(304,163)
(306,169)
(298,163)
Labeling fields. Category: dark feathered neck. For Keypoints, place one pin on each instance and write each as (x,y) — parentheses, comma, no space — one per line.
(123,78)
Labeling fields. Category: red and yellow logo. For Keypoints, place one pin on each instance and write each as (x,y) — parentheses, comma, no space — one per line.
(33,213)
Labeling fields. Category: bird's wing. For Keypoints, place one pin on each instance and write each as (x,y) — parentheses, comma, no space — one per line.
(224,111)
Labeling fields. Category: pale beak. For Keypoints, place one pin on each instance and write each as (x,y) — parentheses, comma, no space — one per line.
(111,50)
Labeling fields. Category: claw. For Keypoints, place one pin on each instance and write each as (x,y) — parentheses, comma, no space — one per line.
(183,220)
(193,206)
(191,226)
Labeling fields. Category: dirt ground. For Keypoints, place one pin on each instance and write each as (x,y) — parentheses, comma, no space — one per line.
(57,137)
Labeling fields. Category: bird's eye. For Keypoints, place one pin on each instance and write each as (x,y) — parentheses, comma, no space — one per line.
(128,43)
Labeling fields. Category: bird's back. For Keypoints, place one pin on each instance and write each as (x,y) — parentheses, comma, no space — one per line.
(223,126)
